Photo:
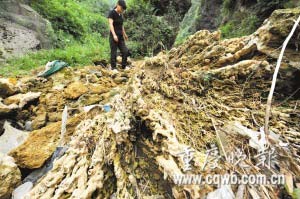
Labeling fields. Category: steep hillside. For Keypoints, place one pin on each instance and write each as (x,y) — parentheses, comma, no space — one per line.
(235,18)
(22,29)
(153,25)
(79,34)
(158,121)
(78,30)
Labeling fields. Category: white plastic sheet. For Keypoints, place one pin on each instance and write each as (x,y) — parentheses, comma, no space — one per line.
(64,121)
(224,192)
(11,138)
(22,190)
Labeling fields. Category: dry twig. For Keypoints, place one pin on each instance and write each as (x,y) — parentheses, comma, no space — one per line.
(269,102)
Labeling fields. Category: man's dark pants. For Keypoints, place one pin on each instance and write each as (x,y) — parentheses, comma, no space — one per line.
(114,47)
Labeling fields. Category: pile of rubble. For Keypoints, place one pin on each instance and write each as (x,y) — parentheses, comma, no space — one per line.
(195,110)
(35,105)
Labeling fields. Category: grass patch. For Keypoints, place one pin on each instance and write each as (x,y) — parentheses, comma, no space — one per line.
(81,35)
(94,47)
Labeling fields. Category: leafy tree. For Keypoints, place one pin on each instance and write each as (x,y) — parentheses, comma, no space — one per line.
(149,33)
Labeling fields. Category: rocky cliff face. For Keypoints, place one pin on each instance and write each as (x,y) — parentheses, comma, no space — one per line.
(22,29)
(208,15)
(244,16)
(162,6)
(202,15)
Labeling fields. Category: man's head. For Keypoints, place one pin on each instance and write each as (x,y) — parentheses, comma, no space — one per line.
(121,6)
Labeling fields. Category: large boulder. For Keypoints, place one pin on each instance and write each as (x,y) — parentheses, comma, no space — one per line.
(22,29)
(10,176)
(275,30)
(17,102)
(7,87)
(5,110)
(41,144)
(22,99)
(75,90)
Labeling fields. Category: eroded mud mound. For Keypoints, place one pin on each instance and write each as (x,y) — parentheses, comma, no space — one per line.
(206,93)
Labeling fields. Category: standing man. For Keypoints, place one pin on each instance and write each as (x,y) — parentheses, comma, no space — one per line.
(117,35)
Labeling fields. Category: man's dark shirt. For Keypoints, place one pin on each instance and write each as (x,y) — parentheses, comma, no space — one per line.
(118,22)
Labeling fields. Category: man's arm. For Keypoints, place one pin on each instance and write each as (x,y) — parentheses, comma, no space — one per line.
(124,34)
(112,29)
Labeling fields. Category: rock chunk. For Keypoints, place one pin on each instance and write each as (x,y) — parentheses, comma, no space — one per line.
(10,176)
(75,90)
(40,144)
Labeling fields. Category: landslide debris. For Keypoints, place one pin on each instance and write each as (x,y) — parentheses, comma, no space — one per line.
(203,94)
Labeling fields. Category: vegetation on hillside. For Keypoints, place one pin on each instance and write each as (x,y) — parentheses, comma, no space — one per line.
(237,18)
(80,30)
(93,48)
(76,19)
(187,26)
(236,22)
(148,33)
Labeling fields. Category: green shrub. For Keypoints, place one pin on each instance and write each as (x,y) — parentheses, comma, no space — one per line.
(147,31)
(228,6)
(64,15)
(73,17)
(237,28)
(227,29)
(80,29)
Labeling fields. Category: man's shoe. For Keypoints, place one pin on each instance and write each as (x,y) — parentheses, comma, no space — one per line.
(115,71)
(127,67)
